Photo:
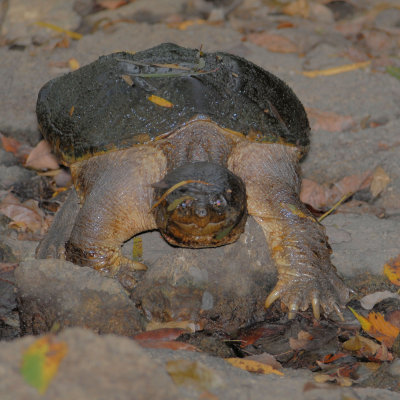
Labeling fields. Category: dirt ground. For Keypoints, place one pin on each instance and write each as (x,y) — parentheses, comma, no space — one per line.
(341,58)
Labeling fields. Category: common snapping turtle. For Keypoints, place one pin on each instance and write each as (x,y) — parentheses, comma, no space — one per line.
(188,143)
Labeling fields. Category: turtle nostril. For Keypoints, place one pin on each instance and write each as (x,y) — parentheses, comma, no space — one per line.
(201,212)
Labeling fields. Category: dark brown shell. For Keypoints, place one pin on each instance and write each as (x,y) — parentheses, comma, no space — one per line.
(105,105)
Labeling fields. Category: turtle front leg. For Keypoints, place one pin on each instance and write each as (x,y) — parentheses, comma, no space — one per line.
(116,195)
(296,240)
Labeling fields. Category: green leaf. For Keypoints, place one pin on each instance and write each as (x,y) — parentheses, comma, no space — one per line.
(394,71)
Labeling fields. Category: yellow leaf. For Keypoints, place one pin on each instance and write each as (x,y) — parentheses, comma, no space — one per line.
(71,34)
(365,324)
(73,64)
(192,373)
(336,70)
(182,26)
(41,361)
(253,366)
(382,326)
(160,101)
(392,270)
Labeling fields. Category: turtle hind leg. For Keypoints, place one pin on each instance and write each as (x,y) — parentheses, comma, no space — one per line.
(296,240)
(53,244)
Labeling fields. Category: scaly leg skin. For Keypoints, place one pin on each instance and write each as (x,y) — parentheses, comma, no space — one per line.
(297,241)
(116,194)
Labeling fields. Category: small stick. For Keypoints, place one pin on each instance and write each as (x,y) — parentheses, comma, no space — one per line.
(335,206)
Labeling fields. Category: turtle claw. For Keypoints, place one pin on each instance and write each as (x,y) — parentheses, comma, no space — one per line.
(274,295)
(316,307)
(294,307)
(321,291)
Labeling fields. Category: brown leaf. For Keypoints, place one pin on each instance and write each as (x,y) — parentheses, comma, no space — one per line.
(25,216)
(380,179)
(167,344)
(329,121)
(187,325)
(302,342)
(41,158)
(160,334)
(20,150)
(273,42)
(111,4)
(365,347)
(321,197)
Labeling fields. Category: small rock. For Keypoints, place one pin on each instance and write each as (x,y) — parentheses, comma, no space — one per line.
(56,291)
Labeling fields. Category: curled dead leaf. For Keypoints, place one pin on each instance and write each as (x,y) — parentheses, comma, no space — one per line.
(41,158)
(25,216)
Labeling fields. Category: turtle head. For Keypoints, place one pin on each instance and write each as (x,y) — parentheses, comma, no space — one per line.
(200,204)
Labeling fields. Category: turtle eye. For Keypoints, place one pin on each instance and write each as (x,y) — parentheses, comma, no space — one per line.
(218,202)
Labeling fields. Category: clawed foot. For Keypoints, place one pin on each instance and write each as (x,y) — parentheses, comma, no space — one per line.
(324,291)
(123,269)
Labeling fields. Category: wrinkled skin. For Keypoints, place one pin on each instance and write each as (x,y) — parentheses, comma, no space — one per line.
(118,190)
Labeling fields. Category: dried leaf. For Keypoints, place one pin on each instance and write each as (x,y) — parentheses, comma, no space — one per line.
(392,270)
(273,42)
(160,334)
(41,158)
(377,327)
(187,325)
(302,342)
(160,101)
(298,7)
(41,360)
(63,43)
(253,366)
(368,302)
(20,150)
(394,71)
(329,121)
(365,324)
(167,344)
(137,248)
(72,35)
(73,64)
(182,26)
(380,179)
(26,216)
(367,348)
(111,4)
(267,359)
(192,373)
(321,197)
